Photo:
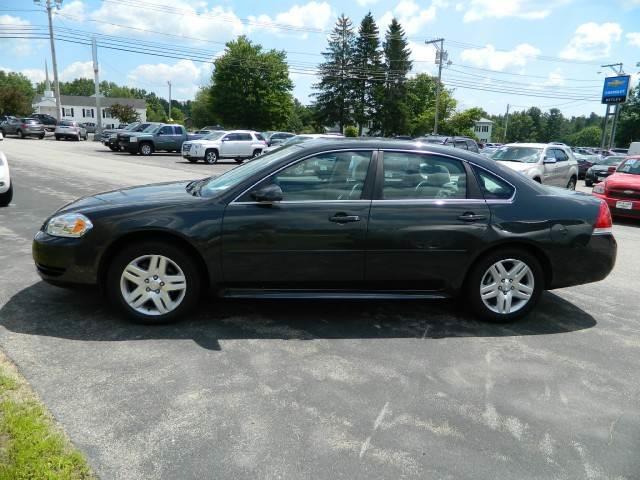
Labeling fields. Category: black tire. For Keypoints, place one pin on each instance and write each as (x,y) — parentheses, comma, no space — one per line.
(256,153)
(58,137)
(478,272)
(21,133)
(588,183)
(211,157)
(6,197)
(537,180)
(572,183)
(129,253)
(192,160)
(113,149)
(41,136)
(145,149)
(239,160)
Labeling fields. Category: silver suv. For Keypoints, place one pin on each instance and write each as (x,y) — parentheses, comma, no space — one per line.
(236,144)
(550,164)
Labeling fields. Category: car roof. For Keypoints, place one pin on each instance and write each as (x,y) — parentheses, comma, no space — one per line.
(534,145)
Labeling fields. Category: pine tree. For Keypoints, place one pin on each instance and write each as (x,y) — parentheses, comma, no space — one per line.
(334,101)
(395,114)
(369,73)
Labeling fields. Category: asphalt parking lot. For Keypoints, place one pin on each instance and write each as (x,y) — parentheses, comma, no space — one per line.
(316,389)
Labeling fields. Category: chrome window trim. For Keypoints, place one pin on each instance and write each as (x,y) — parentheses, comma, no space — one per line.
(371,150)
(293,202)
(430,201)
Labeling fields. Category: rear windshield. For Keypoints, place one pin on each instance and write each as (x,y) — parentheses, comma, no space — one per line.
(66,123)
(30,120)
(610,161)
(213,136)
(259,136)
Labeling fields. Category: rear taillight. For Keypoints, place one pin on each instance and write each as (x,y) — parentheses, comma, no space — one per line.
(611,170)
(604,223)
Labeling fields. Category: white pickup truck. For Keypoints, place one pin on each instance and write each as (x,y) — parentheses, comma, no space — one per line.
(547,163)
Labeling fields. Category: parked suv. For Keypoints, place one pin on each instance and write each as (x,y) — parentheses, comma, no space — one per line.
(23,127)
(551,164)
(464,143)
(168,138)
(48,121)
(236,144)
(71,130)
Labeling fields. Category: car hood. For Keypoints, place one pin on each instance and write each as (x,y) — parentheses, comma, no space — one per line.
(601,168)
(518,166)
(152,195)
(624,180)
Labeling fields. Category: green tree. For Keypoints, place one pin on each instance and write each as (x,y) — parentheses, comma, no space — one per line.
(351,131)
(462,123)
(520,128)
(177,116)
(587,137)
(395,111)
(16,94)
(421,101)
(369,75)
(202,110)
(251,87)
(628,129)
(124,113)
(335,97)
(555,127)
(538,123)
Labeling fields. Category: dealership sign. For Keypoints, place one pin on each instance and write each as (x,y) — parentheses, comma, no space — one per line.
(616,89)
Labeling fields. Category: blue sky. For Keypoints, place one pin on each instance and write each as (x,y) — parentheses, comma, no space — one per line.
(520,52)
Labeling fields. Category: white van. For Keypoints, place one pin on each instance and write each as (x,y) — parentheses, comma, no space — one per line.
(634,148)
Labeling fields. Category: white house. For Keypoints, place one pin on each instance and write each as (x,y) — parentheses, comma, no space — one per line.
(83,109)
(482,129)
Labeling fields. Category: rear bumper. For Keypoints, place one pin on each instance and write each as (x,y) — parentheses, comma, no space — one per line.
(584,262)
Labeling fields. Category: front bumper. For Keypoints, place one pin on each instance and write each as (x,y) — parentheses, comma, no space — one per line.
(63,261)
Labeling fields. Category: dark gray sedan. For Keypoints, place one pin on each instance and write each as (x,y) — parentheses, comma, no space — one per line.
(601,169)
(341,219)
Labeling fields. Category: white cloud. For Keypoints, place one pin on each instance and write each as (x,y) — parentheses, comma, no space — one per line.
(185,76)
(364,3)
(493,59)
(314,15)
(13,46)
(592,41)
(178,17)
(555,79)
(34,74)
(633,38)
(525,9)
(423,56)
(77,70)
(74,9)
(411,16)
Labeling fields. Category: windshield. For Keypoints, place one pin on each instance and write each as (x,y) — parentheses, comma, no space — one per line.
(152,129)
(214,186)
(517,154)
(213,136)
(131,126)
(295,140)
(65,123)
(631,166)
(609,161)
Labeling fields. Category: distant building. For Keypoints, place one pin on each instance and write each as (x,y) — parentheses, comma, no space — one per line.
(83,109)
(482,129)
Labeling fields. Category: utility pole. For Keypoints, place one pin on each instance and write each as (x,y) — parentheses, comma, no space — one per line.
(441,57)
(96,80)
(49,4)
(506,125)
(169,83)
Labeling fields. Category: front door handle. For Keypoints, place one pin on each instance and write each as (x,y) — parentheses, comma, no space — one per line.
(471,217)
(344,218)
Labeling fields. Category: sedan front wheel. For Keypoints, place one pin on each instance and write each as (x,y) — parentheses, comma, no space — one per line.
(505,285)
(153,282)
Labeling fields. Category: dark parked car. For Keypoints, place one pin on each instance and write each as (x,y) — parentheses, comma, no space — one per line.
(48,121)
(464,143)
(110,137)
(167,138)
(276,138)
(334,220)
(90,127)
(601,169)
(23,127)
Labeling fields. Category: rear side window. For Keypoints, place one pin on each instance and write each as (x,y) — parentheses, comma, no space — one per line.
(493,188)
(167,130)
(460,144)
(472,146)
(259,136)
(244,137)
(178,129)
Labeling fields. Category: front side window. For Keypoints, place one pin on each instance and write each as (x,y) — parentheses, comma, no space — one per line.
(327,176)
(422,177)
(230,138)
(166,130)
(492,187)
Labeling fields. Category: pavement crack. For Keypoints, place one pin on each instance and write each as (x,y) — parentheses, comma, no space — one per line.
(376,425)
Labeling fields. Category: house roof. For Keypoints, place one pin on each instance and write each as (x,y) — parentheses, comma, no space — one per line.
(484,120)
(80,101)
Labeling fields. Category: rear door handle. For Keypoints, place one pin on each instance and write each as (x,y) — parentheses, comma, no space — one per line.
(344,218)
(471,217)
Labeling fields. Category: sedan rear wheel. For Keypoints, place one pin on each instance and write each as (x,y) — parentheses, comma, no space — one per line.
(6,197)
(21,133)
(505,285)
(153,282)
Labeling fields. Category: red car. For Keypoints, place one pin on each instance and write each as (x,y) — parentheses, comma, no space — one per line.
(621,190)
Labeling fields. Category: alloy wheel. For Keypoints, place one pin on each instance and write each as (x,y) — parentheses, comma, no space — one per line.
(211,157)
(153,285)
(507,286)
(572,184)
(145,149)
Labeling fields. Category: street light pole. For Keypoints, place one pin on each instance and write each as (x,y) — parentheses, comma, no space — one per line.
(96,80)
(56,83)
(441,56)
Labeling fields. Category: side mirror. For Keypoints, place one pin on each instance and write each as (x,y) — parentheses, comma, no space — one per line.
(549,160)
(270,193)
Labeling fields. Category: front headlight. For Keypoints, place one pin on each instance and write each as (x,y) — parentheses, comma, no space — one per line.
(599,188)
(73,225)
